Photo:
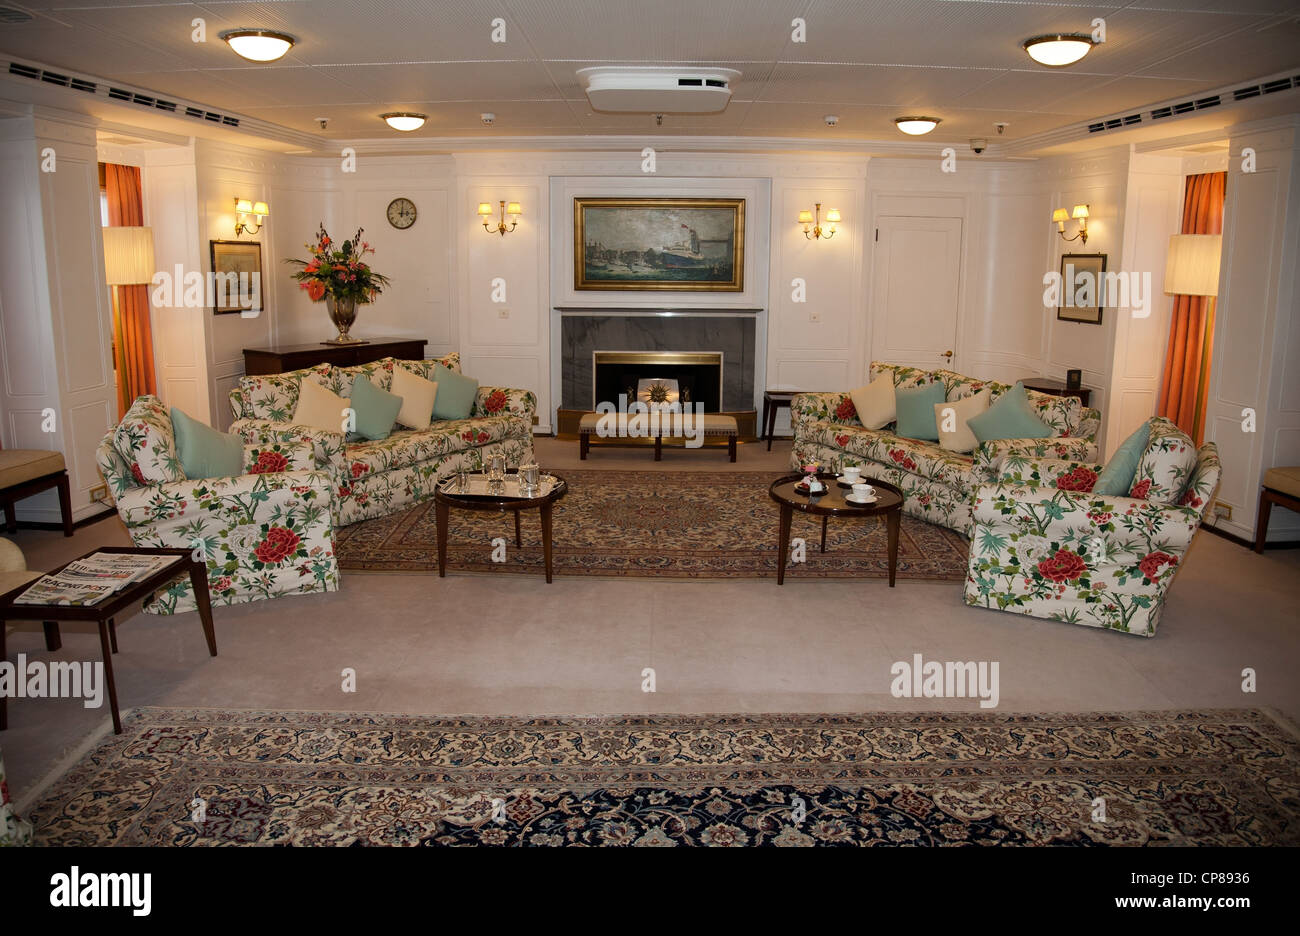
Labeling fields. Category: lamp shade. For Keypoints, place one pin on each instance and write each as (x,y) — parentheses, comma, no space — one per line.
(243,206)
(1080,211)
(1060,214)
(484,208)
(1192,268)
(128,255)
(261,210)
(514,209)
(833,216)
(805,217)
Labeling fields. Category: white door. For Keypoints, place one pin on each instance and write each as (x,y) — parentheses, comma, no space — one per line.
(914,291)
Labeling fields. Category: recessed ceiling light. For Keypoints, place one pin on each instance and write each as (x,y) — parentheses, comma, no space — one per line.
(1058,50)
(406,122)
(916,126)
(258,45)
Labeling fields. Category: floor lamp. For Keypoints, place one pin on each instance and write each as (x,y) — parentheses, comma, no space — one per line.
(128,261)
(1192,269)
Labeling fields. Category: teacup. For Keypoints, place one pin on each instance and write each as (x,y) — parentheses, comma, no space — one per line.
(862,491)
(851,473)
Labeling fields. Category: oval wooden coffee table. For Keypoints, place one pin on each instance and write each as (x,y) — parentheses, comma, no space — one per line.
(508,498)
(889,501)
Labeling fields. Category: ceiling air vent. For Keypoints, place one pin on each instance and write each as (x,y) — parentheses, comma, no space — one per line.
(145,100)
(54,78)
(10,16)
(658,89)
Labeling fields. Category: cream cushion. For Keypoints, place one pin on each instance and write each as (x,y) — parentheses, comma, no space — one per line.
(1286,480)
(19,465)
(319,408)
(417,396)
(875,402)
(954,434)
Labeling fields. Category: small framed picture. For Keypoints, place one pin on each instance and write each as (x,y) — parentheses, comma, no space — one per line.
(1074,379)
(235,285)
(1083,288)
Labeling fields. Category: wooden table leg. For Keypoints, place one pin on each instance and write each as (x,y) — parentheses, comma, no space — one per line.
(783,542)
(731,446)
(440,515)
(546,539)
(771,426)
(767,405)
(659,447)
(1261,521)
(53,639)
(108,675)
(584,445)
(11,517)
(892,522)
(199,582)
(112,633)
(824,519)
(65,503)
(518,539)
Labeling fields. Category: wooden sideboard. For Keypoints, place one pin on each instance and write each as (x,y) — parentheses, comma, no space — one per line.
(283,358)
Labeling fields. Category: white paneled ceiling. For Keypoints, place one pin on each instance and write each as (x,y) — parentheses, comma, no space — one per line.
(867,61)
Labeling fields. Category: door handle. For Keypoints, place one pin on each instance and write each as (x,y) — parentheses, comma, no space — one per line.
(948,355)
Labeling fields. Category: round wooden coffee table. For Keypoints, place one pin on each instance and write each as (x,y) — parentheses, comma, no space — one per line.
(889,501)
(508,499)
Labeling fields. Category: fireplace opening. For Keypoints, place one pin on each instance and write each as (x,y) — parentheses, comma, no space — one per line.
(685,377)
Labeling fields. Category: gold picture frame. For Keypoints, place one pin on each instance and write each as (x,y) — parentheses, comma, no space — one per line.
(659,244)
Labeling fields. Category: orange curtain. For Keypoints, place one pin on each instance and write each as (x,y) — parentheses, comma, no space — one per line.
(132,335)
(1191,329)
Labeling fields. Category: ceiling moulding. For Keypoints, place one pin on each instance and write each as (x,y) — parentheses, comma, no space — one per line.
(633,144)
(1283,86)
(37,84)
(1181,142)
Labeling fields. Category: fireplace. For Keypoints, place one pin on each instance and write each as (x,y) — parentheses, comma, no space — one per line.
(684,377)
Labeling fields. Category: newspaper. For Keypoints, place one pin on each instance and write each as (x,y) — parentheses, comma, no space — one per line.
(90,580)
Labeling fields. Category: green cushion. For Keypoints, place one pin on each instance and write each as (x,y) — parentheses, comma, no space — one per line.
(1116,478)
(456,394)
(916,411)
(204,452)
(1010,417)
(376,409)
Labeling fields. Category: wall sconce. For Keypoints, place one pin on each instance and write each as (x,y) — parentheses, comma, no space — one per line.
(813,218)
(244,208)
(512,209)
(1060,216)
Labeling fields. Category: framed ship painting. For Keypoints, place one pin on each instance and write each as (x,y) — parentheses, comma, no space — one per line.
(685,244)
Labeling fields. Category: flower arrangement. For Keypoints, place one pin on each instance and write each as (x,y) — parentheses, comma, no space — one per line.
(340,273)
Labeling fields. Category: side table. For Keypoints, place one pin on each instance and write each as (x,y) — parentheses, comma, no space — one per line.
(773,400)
(105,612)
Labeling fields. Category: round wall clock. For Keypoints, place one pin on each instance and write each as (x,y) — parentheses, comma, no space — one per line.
(401,213)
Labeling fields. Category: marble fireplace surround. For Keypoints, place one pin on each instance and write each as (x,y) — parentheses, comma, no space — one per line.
(585,330)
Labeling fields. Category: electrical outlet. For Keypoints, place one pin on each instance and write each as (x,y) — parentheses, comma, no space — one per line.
(503,312)
(99,492)
(815,314)
(1222,511)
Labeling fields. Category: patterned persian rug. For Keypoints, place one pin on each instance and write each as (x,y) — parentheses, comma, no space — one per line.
(213,777)
(654,523)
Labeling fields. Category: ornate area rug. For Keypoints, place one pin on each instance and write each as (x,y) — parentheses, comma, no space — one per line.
(654,523)
(209,777)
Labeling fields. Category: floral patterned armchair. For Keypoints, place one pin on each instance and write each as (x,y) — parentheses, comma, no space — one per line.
(264,535)
(13,831)
(1043,544)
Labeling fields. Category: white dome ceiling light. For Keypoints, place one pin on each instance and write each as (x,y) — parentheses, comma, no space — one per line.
(916,126)
(405,122)
(1059,49)
(259,45)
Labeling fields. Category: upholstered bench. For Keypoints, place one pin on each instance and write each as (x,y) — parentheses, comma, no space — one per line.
(24,472)
(1281,486)
(714,426)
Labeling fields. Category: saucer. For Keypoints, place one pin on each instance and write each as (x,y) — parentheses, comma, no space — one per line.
(845,482)
(863,502)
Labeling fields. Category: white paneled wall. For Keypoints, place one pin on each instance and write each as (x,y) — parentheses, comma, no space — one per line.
(1256,361)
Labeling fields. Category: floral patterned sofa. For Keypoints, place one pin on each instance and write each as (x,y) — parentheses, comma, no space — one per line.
(371,479)
(1043,544)
(264,535)
(937,484)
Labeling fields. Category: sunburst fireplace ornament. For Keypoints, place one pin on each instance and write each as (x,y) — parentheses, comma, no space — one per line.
(657,392)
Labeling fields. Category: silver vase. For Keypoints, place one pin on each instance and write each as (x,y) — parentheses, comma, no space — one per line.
(343,312)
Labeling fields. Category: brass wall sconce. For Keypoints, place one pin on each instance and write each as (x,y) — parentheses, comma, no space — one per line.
(812,224)
(512,209)
(1060,216)
(243,208)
